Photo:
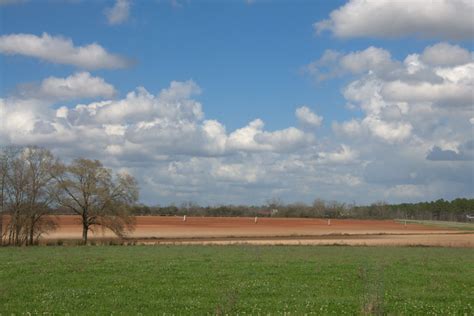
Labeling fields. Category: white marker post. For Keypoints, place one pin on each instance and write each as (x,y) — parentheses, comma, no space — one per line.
(329,222)
(256,219)
(184,218)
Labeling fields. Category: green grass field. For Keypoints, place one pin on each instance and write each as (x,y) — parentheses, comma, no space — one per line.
(202,280)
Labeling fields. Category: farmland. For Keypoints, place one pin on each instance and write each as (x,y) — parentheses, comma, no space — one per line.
(273,231)
(244,265)
(236,279)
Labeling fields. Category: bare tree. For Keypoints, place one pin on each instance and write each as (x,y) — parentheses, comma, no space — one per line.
(7,154)
(319,207)
(3,176)
(25,182)
(96,195)
(40,163)
(15,196)
(275,203)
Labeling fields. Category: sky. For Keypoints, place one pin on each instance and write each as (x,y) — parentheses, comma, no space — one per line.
(220,102)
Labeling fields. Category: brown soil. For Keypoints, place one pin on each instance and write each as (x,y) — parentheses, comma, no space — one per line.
(230,230)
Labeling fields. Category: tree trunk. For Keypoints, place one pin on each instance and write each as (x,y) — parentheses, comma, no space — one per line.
(17,228)
(32,231)
(10,234)
(85,230)
(1,227)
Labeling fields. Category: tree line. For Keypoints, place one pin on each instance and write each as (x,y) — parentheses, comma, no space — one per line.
(455,210)
(34,183)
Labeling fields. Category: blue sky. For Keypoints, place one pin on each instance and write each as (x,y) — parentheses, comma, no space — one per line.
(250,61)
(246,58)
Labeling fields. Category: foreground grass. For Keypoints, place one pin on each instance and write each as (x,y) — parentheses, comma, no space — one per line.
(236,279)
(445,224)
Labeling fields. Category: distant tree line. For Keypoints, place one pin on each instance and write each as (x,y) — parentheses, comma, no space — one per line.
(34,183)
(455,210)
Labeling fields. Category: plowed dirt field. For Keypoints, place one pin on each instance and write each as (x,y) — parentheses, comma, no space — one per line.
(231,230)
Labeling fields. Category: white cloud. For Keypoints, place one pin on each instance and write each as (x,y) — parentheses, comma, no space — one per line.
(405,102)
(215,137)
(387,131)
(235,173)
(366,93)
(344,155)
(60,50)
(21,116)
(413,136)
(174,103)
(307,117)
(171,122)
(352,127)
(283,140)
(425,91)
(253,138)
(77,86)
(372,58)
(115,129)
(413,64)
(326,67)
(244,138)
(449,19)
(119,13)
(390,132)
(444,54)
(334,64)
(180,90)
(463,74)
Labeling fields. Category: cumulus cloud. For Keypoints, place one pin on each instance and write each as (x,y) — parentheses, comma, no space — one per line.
(334,64)
(170,122)
(77,86)
(60,50)
(413,130)
(344,155)
(308,117)
(253,138)
(425,91)
(464,152)
(372,58)
(445,54)
(405,101)
(118,13)
(352,127)
(235,172)
(287,139)
(448,19)
(372,125)
(388,131)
